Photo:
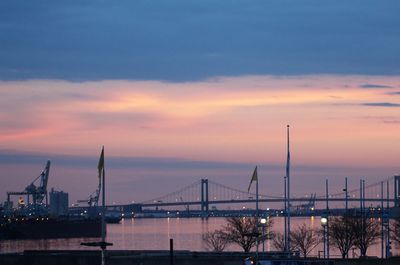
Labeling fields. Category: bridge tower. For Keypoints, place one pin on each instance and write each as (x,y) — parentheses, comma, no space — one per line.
(204,196)
(397,191)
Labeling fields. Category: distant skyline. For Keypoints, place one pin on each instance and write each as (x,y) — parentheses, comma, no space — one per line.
(180,90)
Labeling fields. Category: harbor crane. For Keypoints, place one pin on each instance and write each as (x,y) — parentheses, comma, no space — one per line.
(38,191)
(306,206)
(93,199)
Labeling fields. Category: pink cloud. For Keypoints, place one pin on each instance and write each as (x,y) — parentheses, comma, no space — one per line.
(238,119)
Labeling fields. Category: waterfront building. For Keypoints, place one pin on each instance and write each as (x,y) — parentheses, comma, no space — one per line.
(58,202)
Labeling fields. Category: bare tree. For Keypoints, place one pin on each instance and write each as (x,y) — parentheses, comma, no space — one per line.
(395,229)
(278,241)
(341,234)
(304,239)
(243,231)
(366,231)
(215,240)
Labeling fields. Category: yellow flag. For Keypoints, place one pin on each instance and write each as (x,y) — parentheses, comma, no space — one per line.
(253,178)
(100,165)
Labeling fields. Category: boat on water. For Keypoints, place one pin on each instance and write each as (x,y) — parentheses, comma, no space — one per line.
(113,217)
(49,227)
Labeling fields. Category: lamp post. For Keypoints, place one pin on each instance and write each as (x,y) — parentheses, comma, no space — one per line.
(324,223)
(327,214)
(263,222)
(345,214)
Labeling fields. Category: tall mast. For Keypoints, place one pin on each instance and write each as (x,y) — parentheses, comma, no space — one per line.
(285,215)
(288,187)
(257,220)
(103,205)
(102,244)
(103,208)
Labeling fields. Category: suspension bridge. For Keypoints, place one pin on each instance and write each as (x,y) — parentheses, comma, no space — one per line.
(206,195)
(206,192)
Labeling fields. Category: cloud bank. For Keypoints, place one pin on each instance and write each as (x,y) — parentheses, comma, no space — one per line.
(382,104)
(222,119)
(180,40)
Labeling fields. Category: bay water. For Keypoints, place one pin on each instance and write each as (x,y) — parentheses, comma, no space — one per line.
(155,233)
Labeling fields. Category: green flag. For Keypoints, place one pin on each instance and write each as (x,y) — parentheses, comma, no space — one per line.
(100,165)
(253,178)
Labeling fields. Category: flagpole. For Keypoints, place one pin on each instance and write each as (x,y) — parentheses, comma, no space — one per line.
(288,188)
(103,222)
(285,213)
(102,244)
(254,177)
(257,217)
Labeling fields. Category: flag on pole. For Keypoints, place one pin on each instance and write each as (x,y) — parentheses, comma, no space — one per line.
(100,165)
(253,178)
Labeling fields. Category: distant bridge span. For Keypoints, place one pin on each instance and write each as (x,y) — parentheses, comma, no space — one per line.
(160,204)
(204,193)
(207,192)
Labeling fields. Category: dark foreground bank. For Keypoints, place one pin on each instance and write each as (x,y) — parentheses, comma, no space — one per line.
(163,257)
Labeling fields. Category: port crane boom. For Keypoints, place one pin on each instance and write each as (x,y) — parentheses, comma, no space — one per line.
(38,192)
(93,199)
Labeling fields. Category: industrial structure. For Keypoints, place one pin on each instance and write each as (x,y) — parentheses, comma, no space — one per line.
(35,191)
(58,203)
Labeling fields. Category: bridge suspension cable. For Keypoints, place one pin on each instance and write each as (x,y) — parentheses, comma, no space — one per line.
(185,191)
(220,192)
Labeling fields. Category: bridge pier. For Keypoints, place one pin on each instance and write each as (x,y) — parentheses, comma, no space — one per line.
(397,191)
(204,196)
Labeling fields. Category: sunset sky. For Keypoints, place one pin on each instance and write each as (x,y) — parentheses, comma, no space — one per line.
(181,90)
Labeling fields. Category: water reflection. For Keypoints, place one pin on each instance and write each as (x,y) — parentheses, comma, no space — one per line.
(154,234)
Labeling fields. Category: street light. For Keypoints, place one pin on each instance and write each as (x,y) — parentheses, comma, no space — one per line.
(263,223)
(324,223)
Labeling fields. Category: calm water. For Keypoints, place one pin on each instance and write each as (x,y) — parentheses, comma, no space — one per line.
(154,234)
